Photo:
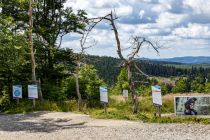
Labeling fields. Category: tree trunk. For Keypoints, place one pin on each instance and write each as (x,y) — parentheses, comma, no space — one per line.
(40,91)
(50,57)
(78,92)
(10,89)
(33,63)
(133,92)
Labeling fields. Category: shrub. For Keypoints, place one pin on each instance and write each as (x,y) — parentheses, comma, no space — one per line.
(92,83)
(4,101)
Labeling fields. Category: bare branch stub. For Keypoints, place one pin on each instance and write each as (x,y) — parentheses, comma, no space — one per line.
(84,44)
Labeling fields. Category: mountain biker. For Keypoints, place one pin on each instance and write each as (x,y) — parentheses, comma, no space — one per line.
(189,107)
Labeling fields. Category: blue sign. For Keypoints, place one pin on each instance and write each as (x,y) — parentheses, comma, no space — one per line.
(17,91)
(156,86)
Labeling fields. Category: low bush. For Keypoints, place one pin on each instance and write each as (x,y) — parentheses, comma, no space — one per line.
(4,101)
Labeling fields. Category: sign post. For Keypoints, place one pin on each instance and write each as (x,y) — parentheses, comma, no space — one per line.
(157,99)
(17,92)
(33,93)
(125,94)
(104,97)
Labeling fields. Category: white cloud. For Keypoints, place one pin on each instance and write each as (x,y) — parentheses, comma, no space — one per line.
(124,10)
(105,3)
(159,8)
(198,6)
(141,13)
(139,29)
(193,31)
(77,4)
(167,19)
(100,7)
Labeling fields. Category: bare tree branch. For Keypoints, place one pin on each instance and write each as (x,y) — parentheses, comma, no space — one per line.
(137,43)
(61,39)
(140,70)
(111,18)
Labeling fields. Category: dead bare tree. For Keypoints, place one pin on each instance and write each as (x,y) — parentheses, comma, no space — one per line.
(136,44)
(33,63)
(80,58)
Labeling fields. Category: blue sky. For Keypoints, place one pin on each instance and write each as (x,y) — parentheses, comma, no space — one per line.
(182,27)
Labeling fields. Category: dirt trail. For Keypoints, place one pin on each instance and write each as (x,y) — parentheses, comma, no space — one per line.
(71,126)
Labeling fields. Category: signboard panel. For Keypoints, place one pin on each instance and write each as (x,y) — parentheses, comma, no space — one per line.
(32,92)
(125,93)
(17,91)
(103,94)
(192,105)
(156,95)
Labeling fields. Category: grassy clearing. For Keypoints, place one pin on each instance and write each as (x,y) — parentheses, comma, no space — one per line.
(149,118)
(118,108)
(26,106)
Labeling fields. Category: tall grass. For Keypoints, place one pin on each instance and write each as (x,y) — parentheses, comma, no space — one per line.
(121,109)
(27,106)
(118,108)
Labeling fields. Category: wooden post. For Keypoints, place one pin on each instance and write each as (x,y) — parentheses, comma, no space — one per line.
(40,90)
(159,111)
(105,108)
(34,103)
(126,99)
(17,99)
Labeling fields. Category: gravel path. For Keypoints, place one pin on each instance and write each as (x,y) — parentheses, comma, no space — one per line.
(71,126)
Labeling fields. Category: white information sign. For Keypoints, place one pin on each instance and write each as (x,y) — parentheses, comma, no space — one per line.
(103,94)
(156,95)
(125,93)
(17,91)
(32,92)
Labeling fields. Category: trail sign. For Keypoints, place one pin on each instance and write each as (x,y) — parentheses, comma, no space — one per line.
(156,95)
(32,92)
(17,91)
(125,93)
(103,94)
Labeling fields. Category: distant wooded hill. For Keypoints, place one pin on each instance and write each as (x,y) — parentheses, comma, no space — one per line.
(108,68)
(187,60)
